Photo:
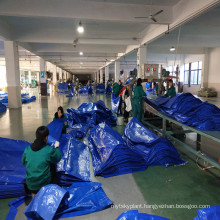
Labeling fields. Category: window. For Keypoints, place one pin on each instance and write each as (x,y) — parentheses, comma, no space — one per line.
(192,73)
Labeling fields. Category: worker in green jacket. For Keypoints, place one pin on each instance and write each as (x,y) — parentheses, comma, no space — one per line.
(38,159)
(171,91)
(60,114)
(138,96)
(116,89)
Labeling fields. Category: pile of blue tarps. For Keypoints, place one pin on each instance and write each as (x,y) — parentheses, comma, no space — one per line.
(90,89)
(2,108)
(89,115)
(135,215)
(211,213)
(115,103)
(74,165)
(12,172)
(71,92)
(53,202)
(155,150)
(113,154)
(190,111)
(84,90)
(63,86)
(100,88)
(24,99)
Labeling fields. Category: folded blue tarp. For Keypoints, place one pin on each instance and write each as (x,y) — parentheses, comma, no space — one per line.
(79,199)
(83,90)
(62,86)
(2,108)
(24,100)
(156,151)
(79,130)
(12,172)
(110,155)
(135,215)
(115,103)
(190,111)
(74,165)
(100,88)
(212,213)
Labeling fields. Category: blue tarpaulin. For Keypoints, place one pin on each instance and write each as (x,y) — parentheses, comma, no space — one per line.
(155,150)
(190,111)
(113,155)
(211,213)
(79,130)
(100,88)
(115,103)
(71,92)
(80,198)
(135,215)
(84,90)
(74,165)
(90,90)
(2,108)
(63,86)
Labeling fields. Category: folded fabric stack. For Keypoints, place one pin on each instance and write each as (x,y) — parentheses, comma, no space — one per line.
(190,111)
(74,165)
(155,150)
(139,148)
(83,90)
(12,172)
(100,88)
(53,202)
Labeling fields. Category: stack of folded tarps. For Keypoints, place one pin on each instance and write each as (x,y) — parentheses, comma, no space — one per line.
(84,90)
(63,88)
(100,88)
(139,148)
(190,111)
(12,172)
(53,202)
(74,165)
(89,115)
(155,150)
(71,92)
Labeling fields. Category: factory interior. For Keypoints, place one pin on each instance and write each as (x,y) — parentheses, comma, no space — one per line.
(110,109)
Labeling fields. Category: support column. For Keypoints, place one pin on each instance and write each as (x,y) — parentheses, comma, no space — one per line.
(141,60)
(12,74)
(101,75)
(106,74)
(43,83)
(29,76)
(205,70)
(117,71)
(97,77)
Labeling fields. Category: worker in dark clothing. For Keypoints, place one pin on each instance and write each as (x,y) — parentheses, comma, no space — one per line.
(38,159)
(60,114)
(171,91)
(125,95)
(138,96)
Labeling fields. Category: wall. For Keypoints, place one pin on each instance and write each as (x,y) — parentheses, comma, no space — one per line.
(214,69)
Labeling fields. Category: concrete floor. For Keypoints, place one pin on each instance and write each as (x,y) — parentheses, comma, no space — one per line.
(156,186)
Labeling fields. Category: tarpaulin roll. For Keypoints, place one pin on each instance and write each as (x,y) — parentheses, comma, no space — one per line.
(211,213)
(135,215)
(156,151)
(189,110)
(46,202)
(74,164)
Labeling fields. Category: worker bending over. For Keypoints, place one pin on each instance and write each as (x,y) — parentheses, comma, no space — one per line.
(38,159)
(60,114)
(138,96)
(171,91)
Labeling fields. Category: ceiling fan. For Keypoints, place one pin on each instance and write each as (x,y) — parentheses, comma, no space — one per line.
(152,16)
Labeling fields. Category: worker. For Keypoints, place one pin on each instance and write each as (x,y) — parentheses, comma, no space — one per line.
(125,95)
(60,114)
(171,91)
(116,89)
(38,158)
(138,95)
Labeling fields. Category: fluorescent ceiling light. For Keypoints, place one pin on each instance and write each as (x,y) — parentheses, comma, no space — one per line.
(80,28)
(172,49)
(81,63)
(81,53)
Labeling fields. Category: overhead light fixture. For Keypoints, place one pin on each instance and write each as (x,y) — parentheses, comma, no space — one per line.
(81,63)
(172,49)
(80,28)
(112,60)
(80,53)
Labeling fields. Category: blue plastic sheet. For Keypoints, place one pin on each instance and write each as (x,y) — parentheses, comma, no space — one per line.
(71,92)
(47,201)
(156,151)
(12,172)
(83,90)
(190,111)
(115,103)
(110,155)
(2,108)
(212,213)
(24,99)
(74,164)
(135,215)
(90,89)
(63,86)
(100,88)
(79,130)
